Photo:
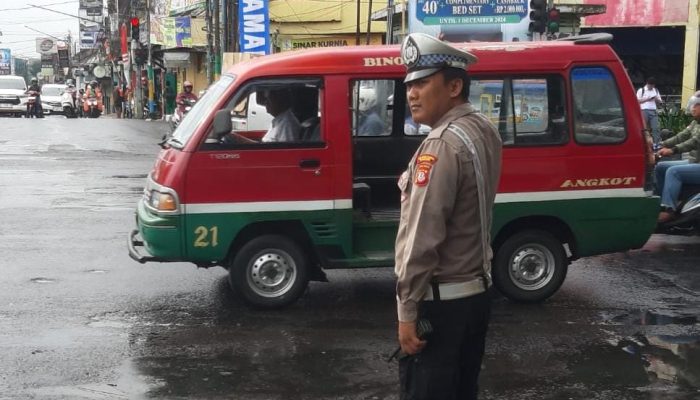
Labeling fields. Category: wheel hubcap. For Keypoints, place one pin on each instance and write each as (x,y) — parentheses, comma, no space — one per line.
(272,273)
(532,267)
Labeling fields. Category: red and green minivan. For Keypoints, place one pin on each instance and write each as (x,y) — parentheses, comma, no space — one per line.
(574,180)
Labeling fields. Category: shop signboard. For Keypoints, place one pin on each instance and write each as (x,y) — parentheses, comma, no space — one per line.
(627,13)
(46,46)
(5,62)
(93,8)
(296,43)
(254,26)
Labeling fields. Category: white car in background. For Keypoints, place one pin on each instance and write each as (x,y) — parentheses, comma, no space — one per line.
(13,99)
(51,98)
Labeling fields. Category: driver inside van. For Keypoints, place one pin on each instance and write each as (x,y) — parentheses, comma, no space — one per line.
(285,126)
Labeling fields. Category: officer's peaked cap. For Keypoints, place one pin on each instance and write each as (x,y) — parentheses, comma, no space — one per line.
(424,55)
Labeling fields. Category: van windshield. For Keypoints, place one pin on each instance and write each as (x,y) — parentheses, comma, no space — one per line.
(199,111)
(12,84)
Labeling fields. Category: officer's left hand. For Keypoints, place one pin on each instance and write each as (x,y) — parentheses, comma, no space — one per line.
(408,339)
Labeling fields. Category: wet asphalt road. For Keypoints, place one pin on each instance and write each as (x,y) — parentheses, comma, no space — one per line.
(80,320)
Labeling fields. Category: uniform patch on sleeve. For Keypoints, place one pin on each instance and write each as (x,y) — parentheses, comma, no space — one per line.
(422,175)
(426,158)
(424,163)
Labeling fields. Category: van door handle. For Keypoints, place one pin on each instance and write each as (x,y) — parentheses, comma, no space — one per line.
(310,163)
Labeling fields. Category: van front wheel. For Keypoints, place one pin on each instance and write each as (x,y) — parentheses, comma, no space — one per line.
(530,266)
(269,271)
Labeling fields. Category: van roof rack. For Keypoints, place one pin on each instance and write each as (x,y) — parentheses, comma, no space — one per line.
(589,38)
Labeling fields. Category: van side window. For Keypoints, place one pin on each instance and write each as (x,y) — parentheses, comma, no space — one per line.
(527,111)
(280,114)
(598,117)
(372,107)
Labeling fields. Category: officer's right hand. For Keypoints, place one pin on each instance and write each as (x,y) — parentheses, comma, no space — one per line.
(408,339)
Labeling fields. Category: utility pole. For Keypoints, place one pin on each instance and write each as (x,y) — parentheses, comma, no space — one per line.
(357,24)
(369,21)
(149,65)
(390,22)
(225,33)
(207,17)
(217,40)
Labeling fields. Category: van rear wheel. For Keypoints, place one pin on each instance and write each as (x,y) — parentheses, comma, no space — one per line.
(530,266)
(270,271)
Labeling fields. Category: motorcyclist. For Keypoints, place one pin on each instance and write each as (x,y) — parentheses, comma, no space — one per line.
(72,91)
(92,89)
(672,175)
(79,102)
(185,95)
(35,87)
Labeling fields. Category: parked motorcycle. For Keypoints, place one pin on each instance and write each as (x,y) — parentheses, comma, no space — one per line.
(33,106)
(68,103)
(179,114)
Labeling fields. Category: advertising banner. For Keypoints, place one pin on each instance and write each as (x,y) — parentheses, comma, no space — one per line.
(470,20)
(5,62)
(185,6)
(254,26)
(183,32)
(450,12)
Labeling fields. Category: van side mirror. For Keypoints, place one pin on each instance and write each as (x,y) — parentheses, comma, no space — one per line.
(222,123)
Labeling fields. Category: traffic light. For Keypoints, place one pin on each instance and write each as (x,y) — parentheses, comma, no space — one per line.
(140,56)
(538,16)
(135,24)
(553,17)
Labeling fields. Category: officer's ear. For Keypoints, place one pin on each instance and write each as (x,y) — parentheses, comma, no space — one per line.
(454,87)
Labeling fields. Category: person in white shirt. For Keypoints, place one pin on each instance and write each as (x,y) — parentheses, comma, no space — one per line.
(649,97)
(285,127)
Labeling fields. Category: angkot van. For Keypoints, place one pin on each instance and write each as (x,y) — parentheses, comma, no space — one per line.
(278,214)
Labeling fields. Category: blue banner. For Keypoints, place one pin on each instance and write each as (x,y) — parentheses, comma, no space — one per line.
(183,32)
(448,12)
(254,26)
(5,62)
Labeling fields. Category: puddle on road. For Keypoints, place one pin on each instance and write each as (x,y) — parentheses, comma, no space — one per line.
(653,317)
(667,351)
(42,280)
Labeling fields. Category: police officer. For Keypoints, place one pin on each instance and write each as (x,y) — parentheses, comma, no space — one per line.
(442,247)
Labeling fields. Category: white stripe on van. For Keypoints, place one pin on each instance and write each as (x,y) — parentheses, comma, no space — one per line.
(344,204)
(267,206)
(569,195)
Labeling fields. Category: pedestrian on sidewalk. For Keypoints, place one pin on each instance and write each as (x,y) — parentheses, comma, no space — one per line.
(649,101)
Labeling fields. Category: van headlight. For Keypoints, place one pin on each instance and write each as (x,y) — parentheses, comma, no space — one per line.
(162,201)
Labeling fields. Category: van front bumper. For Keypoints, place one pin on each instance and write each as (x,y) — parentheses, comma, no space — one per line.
(156,238)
